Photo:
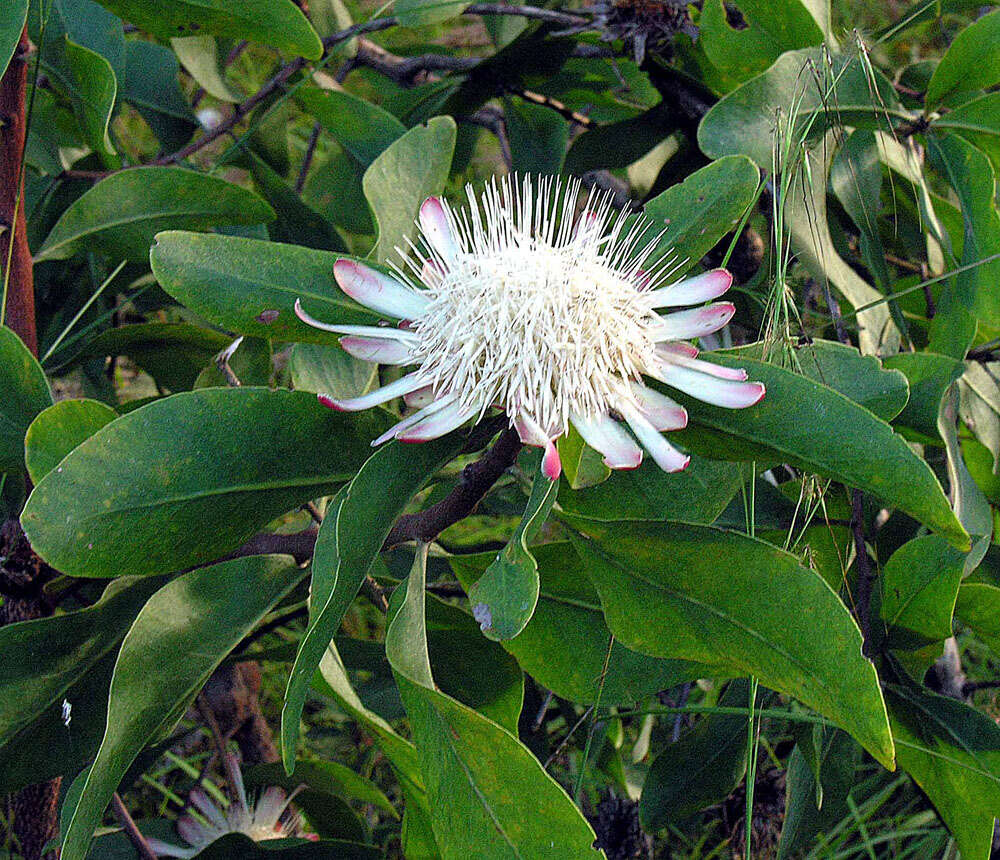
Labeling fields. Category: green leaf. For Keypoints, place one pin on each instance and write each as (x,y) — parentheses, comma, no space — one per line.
(250,287)
(619,144)
(412,169)
(929,374)
(970,173)
(46,747)
(837,758)
(698,593)
(469,667)
(121,214)
(699,494)
(696,213)
(484,787)
(96,91)
(770,29)
(582,465)
(296,222)
(43,658)
(978,121)
(421,13)
(329,777)
(953,753)
(978,605)
(828,434)
(182,633)
(59,429)
(329,370)
(200,57)
(565,645)
(862,378)
(185,479)
(538,136)
(919,585)
(503,599)
(152,87)
(24,392)
(363,129)
(278,23)
(172,353)
(12,18)
(972,62)
(702,767)
(349,540)
(236,846)
(743,122)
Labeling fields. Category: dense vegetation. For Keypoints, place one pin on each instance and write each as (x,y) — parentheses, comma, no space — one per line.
(215,594)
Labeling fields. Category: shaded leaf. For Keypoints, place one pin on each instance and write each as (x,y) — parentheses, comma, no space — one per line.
(412,169)
(503,599)
(484,787)
(929,375)
(538,136)
(182,633)
(122,213)
(24,392)
(187,478)
(12,18)
(152,87)
(363,129)
(972,62)
(356,524)
(277,23)
(94,95)
(698,593)
(978,605)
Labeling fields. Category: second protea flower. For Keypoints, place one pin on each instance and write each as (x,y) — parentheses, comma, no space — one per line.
(514,304)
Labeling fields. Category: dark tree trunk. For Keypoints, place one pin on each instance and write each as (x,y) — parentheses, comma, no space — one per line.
(33,811)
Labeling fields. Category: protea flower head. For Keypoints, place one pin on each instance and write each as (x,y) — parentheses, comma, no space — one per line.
(514,304)
(264,818)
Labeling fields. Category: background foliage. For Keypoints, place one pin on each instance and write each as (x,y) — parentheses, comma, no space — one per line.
(787,650)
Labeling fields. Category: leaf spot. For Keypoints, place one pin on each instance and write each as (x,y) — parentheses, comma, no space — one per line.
(481,612)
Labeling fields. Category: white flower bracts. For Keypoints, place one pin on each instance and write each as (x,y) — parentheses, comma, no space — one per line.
(514,304)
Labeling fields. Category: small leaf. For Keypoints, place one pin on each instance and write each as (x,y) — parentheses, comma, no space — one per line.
(237,846)
(250,287)
(152,87)
(96,91)
(919,585)
(121,214)
(200,57)
(929,374)
(828,435)
(12,18)
(953,753)
(972,62)
(357,522)
(24,392)
(619,144)
(363,129)
(278,23)
(185,479)
(412,169)
(978,605)
(702,767)
(484,787)
(59,429)
(698,593)
(325,369)
(421,13)
(504,597)
(538,137)
(182,633)
(565,645)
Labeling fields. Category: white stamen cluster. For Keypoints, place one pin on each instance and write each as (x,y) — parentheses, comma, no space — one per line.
(534,315)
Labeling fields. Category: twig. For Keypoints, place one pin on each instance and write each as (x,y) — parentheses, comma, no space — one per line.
(128,825)
(536,724)
(492,120)
(476,481)
(569,734)
(866,574)
(970,687)
(307,159)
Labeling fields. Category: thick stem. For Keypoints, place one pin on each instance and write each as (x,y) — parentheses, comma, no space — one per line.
(866,572)
(19,312)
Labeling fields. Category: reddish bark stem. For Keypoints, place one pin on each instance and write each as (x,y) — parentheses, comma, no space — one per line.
(20,309)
